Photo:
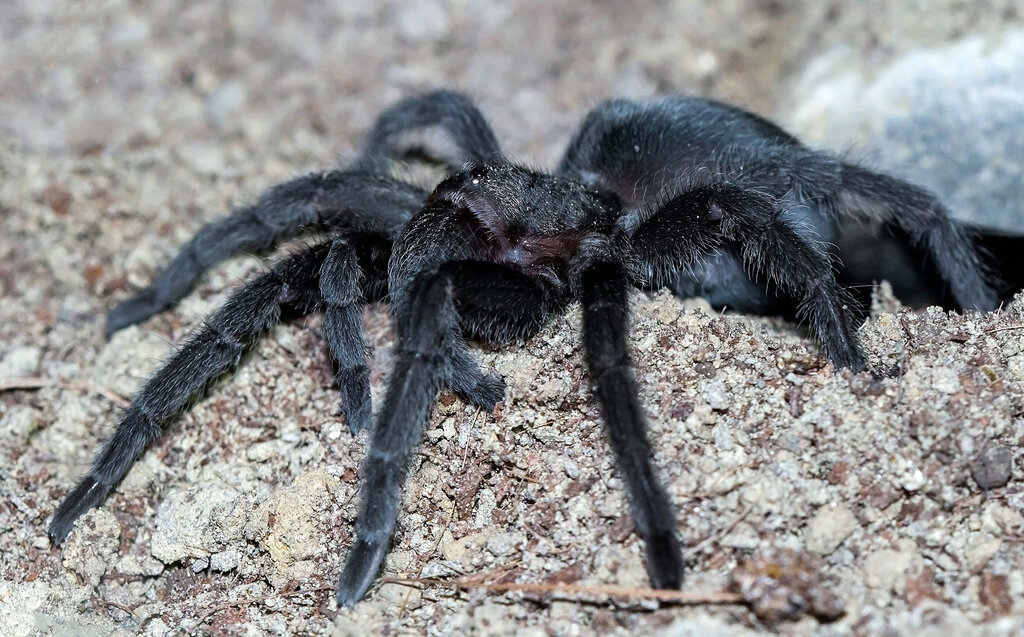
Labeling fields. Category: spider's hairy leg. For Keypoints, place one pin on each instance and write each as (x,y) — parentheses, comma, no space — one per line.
(423,328)
(496,304)
(604,291)
(210,350)
(431,352)
(463,375)
(452,111)
(343,198)
(929,228)
(688,225)
(340,279)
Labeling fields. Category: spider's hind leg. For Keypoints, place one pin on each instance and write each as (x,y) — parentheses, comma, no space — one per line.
(453,112)
(927,226)
(212,349)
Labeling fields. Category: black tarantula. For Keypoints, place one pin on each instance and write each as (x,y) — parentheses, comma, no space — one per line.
(687,193)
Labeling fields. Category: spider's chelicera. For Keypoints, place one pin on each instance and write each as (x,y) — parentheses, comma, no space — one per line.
(691,194)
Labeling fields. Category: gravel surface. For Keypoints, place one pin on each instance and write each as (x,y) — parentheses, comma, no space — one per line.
(125,126)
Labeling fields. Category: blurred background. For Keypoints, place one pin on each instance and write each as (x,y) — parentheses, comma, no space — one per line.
(870,77)
(126,125)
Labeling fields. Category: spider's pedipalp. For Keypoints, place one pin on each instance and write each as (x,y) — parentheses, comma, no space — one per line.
(464,376)
(340,278)
(604,290)
(337,199)
(496,304)
(210,351)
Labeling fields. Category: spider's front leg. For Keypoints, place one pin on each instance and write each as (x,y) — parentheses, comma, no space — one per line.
(687,226)
(213,348)
(352,199)
(430,352)
(415,380)
(604,291)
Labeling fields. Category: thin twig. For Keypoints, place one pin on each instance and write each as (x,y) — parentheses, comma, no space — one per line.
(121,607)
(38,382)
(703,544)
(1004,329)
(684,597)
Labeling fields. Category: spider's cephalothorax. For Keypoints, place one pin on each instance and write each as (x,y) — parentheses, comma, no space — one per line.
(686,193)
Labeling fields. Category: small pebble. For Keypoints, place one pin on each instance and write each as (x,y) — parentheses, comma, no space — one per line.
(992,467)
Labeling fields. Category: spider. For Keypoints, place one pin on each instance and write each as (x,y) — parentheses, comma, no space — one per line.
(695,195)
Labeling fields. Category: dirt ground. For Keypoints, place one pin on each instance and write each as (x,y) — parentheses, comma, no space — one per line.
(125,126)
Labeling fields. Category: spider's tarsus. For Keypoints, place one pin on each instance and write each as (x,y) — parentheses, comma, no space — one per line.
(364,560)
(664,561)
(131,311)
(488,392)
(86,495)
(463,375)
(355,390)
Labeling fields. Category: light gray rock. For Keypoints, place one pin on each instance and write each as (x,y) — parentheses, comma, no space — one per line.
(190,522)
(947,118)
(829,528)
